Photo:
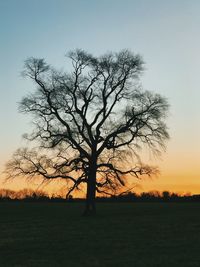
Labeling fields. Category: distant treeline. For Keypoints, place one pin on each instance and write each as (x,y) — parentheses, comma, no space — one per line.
(153,196)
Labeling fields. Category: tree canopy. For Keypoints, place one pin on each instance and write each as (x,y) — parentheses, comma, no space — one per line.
(90,123)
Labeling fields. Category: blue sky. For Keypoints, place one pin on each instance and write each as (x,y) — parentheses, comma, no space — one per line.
(165,33)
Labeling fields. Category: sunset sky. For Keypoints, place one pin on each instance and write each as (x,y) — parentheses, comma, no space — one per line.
(165,33)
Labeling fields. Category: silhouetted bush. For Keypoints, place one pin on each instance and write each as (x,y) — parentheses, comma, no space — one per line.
(152,196)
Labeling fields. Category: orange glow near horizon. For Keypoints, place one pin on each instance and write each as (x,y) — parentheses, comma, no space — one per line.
(180,185)
(179,173)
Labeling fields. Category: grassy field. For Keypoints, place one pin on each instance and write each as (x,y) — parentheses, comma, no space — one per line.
(134,234)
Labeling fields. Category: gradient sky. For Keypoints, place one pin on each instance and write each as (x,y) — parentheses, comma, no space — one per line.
(165,33)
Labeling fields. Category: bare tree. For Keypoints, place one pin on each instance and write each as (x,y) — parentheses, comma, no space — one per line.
(91,123)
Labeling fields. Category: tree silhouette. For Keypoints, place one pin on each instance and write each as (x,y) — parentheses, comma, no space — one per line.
(90,123)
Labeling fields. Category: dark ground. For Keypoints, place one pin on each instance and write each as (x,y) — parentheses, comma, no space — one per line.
(122,234)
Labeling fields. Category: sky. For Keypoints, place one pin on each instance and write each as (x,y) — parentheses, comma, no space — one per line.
(165,33)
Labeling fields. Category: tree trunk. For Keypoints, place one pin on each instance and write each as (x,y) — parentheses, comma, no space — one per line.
(90,208)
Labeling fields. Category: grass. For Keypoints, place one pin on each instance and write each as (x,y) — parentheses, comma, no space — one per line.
(122,234)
